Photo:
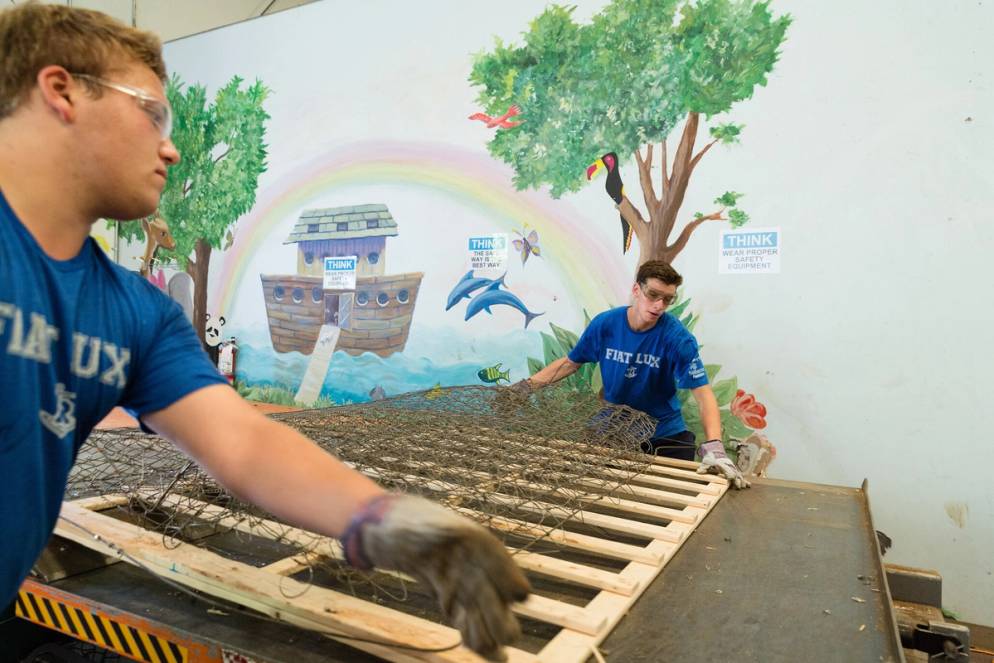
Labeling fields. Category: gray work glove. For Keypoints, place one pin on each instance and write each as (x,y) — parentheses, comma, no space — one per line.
(469,570)
(715,461)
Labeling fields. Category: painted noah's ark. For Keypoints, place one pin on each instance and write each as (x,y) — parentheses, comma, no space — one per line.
(375,317)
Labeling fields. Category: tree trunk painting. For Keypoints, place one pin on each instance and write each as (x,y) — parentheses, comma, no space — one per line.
(668,62)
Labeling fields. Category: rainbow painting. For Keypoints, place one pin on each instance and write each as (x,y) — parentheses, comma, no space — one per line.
(594,274)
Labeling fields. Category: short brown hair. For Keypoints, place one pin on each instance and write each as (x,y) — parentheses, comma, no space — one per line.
(658,269)
(34,36)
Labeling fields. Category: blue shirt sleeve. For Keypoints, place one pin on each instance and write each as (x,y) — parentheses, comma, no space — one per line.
(588,348)
(172,363)
(688,367)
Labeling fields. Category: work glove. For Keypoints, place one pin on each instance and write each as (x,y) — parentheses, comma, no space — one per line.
(715,461)
(508,400)
(468,569)
(522,389)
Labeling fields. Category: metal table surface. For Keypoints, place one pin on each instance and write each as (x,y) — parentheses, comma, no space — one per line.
(783,571)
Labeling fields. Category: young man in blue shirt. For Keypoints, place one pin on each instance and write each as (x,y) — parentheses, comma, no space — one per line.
(84,134)
(645,354)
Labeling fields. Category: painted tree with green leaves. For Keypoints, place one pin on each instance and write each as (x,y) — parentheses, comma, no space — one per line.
(223,154)
(623,83)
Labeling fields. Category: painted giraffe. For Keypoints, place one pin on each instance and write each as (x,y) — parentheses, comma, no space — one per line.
(156,235)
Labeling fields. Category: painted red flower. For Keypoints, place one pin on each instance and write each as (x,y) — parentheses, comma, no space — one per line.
(749,410)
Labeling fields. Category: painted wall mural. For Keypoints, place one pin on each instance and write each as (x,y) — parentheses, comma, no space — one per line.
(558,112)
(624,81)
(370,104)
(223,153)
(582,93)
(302,359)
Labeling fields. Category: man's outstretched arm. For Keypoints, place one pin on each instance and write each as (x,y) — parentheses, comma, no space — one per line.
(277,468)
(558,370)
(263,461)
(713,457)
(707,405)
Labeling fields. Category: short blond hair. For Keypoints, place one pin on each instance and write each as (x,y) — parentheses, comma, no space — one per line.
(34,36)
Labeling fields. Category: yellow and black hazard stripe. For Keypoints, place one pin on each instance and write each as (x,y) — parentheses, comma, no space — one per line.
(115,635)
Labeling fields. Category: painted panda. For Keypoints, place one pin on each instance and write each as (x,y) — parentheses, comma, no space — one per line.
(212,330)
(212,335)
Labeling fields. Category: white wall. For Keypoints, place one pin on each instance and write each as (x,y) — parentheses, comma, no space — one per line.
(870,147)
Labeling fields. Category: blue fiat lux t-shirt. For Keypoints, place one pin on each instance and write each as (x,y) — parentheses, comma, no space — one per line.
(643,369)
(77,337)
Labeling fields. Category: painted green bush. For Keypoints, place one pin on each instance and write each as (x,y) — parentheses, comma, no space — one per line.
(278,395)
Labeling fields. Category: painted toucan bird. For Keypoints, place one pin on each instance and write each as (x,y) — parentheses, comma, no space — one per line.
(616,189)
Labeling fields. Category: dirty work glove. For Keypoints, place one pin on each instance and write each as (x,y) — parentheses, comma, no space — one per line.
(512,397)
(714,461)
(522,388)
(469,570)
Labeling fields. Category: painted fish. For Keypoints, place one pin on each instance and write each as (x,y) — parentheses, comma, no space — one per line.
(436,392)
(496,297)
(493,374)
(469,284)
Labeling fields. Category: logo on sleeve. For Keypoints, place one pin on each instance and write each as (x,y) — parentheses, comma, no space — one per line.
(696,369)
(63,420)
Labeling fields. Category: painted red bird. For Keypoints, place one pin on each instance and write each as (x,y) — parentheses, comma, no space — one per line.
(502,122)
(615,188)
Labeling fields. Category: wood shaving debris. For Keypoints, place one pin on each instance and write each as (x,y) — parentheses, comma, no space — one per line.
(862,627)
(215,611)
(827,611)
(857,599)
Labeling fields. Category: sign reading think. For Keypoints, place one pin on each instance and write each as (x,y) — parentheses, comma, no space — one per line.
(488,252)
(339,272)
(754,251)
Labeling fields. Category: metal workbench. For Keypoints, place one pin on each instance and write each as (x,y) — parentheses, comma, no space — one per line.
(784,571)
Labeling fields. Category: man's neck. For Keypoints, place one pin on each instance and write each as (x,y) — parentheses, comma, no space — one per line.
(635,325)
(42,193)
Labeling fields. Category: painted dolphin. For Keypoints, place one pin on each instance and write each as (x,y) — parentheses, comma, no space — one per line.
(468,285)
(495,297)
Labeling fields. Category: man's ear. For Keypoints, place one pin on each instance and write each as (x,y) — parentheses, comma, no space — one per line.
(58,91)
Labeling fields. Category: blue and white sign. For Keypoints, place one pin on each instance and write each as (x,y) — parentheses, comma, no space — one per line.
(752,251)
(488,252)
(339,272)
